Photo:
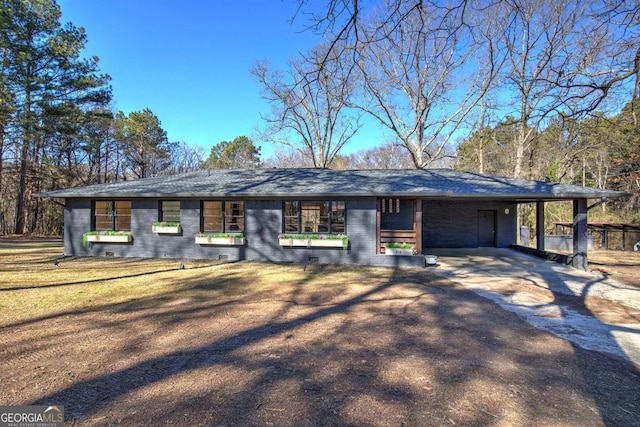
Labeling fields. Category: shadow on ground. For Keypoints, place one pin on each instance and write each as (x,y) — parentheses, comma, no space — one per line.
(334,346)
(566,302)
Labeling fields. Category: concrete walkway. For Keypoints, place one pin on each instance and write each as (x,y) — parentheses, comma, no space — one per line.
(551,296)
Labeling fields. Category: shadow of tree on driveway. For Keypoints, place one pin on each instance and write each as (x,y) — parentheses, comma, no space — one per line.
(567,315)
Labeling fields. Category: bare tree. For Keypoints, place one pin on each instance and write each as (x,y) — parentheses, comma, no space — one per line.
(562,60)
(289,157)
(341,21)
(565,57)
(309,110)
(477,152)
(422,75)
(185,158)
(386,156)
(624,16)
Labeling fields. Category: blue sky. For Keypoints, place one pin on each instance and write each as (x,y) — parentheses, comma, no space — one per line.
(188,61)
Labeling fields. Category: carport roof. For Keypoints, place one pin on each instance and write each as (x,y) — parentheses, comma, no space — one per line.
(301,183)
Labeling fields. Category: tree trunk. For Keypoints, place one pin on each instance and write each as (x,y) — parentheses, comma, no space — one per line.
(636,89)
(20,222)
(2,207)
(20,199)
(482,136)
(517,171)
(521,137)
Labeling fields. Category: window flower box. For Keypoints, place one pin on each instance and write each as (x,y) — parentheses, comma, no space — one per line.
(314,241)
(398,249)
(166,228)
(220,239)
(106,237)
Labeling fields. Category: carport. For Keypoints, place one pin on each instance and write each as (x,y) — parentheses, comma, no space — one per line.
(454,209)
(579,258)
(470,221)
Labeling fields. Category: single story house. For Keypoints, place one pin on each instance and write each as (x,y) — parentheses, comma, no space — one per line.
(309,215)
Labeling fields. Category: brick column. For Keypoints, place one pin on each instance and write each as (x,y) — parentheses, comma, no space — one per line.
(580,234)
(540,226)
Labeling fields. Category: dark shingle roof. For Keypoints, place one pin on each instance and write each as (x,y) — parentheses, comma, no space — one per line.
(277,183)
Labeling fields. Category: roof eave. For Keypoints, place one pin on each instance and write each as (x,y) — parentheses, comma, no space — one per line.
(435,195)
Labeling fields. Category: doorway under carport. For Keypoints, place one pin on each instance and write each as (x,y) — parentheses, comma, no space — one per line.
(486,228)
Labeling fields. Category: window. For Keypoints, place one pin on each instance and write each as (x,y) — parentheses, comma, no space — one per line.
(315,217)
(169,211)
(112,215)
(233,216)
(222,217)
(212,217)
(291,217)
(318,217)
(338,218)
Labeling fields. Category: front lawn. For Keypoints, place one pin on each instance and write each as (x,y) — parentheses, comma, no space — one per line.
(143,342)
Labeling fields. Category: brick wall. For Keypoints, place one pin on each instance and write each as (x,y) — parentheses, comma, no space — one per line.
(263,224)
(454,223)
(445,224)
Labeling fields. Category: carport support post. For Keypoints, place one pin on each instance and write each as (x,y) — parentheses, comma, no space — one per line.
(540,226)
(580,234)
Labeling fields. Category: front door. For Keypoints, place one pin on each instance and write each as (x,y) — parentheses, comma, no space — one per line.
(486,228)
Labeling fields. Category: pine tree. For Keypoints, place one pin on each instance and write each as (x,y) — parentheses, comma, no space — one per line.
(42,67)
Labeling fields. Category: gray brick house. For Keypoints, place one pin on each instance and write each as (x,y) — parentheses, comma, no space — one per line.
(440,208)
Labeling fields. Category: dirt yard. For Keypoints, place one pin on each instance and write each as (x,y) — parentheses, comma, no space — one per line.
(140,342)
(621,266)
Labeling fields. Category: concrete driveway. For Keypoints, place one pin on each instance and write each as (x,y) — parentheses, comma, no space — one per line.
(587,308)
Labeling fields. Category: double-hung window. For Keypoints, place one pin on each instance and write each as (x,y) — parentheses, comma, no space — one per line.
(169,211)
(112,215)
(314,216)
(220,216)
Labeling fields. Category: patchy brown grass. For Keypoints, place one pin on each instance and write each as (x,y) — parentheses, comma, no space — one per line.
(624,266)
(136,341)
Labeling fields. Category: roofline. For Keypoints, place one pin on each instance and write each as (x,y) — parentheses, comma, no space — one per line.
(262,196)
